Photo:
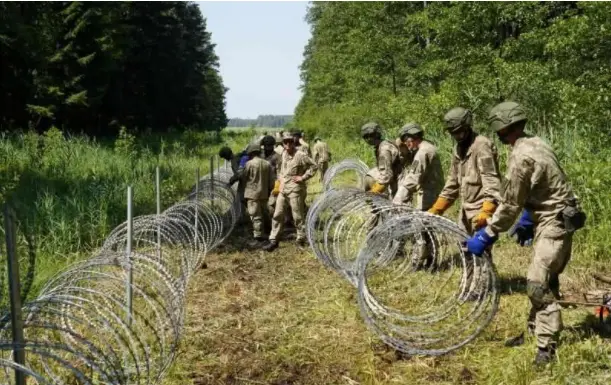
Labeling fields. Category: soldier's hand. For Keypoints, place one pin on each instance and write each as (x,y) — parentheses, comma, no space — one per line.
(297,179)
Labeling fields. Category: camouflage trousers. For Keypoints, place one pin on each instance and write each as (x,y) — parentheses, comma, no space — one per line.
(256,209)
(296,202)
(476,277)
(322,168)
(552,251)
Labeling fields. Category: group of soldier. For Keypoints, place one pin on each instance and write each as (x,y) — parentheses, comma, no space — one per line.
(271,174)
(535,191)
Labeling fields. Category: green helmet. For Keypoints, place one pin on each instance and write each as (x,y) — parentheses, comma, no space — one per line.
(268,140)
(505,114)
(410,129)
(252,148)
(225,153)
(371,128)
(458,118)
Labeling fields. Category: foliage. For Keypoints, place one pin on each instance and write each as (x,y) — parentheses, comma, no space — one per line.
(273,121)
(399,62)
(95,67)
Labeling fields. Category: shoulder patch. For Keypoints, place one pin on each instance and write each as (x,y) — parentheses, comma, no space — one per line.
(487,165)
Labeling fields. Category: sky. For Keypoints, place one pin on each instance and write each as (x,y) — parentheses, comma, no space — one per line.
(260,47)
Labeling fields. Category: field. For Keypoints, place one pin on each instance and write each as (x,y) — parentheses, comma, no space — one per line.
(282,317)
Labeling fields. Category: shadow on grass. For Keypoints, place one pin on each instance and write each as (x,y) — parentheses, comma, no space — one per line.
(592,326)
(512,285)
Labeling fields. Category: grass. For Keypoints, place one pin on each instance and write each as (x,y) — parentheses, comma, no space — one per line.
(282,317)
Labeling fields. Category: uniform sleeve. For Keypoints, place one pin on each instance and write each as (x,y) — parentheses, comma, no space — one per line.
(516,189)
(487,163)
(315,151)
(385,166)
(451,190)
(413,175)
(272,178)
(310,167)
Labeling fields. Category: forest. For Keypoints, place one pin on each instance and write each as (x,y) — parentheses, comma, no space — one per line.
(273,121)
(94,67)
(398,61)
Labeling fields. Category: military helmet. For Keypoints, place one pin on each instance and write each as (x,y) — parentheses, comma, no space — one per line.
(505,114)
(268,140)
(410,129)
(317,138)
(225,152)
(252,148)
(371,128)
(458,118)
(297,133)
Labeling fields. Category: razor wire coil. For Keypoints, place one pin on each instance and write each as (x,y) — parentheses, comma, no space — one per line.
(418,289)
(79,329)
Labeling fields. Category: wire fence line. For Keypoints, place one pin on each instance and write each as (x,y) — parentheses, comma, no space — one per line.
(117,317)
(418,289)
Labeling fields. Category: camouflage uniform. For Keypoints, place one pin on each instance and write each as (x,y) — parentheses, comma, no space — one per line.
(388,163)
(425,177)
(321,156)
(473,176)
(536,182)
(292,193)
(259,180)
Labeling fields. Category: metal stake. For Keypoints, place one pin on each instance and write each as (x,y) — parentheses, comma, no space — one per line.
(15,295)
(196,206)
(130,276)
(158,192)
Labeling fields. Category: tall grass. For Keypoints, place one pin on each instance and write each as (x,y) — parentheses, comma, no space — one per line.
(70,192)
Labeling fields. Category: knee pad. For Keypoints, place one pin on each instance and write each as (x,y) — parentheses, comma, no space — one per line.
(539,294)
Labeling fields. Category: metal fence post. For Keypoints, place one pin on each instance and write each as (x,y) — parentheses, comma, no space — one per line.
(196,207)
(15,295)
(158,192)
(128,251)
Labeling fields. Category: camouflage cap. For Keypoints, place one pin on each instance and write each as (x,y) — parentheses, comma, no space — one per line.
(411,129)
(458,118)
(252,148)
(317,138)
(287,136)
(371,128)
(505,114)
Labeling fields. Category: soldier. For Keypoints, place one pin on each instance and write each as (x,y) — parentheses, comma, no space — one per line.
(301,144)
(259,181)
(295,169)
(381,179)
(405,154)
(321,156)
(273,158)
(425,174)
(237,162)
(425,177)
(474,177)
(536,184)
(474,173)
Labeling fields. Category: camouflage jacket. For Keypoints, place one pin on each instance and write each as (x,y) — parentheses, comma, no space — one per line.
(475,177)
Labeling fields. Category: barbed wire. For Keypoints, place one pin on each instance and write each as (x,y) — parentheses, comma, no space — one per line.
(418,289)
(85,328)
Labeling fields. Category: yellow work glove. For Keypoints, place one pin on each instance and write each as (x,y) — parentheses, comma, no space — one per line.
(276,189)
(480,219)
(440,206)
(377,188)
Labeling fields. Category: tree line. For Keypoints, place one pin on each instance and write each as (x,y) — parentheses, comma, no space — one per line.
(272,121)
(93,67)
(400,61)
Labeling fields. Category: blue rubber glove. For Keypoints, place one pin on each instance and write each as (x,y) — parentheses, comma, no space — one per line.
(479,242)
(243,160)
(524,230)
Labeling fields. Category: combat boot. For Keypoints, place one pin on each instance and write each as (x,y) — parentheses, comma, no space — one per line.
(271,245)
(258,241)
(545,355)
